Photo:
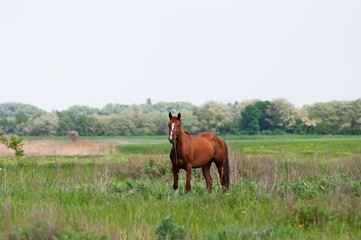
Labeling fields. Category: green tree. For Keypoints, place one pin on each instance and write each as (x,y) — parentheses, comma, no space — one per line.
(44,125)
(190,122)
(7,126)
(230,128)
(212,116)
(326,116)
(13,109)
(282,115)
(356,120)
(83,110)
(67,122)
(115,125)
(88,126)
(165,107)
(128,123)
(254,117)
(349,113)
(112,109)
(160,122)
(149,101)
(143,124)
(22,125)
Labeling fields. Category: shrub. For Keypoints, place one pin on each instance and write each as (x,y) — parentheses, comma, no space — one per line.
(16,144)
(168,230)
(72,135)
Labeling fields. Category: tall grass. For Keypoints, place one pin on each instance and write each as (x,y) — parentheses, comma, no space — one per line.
(286,194)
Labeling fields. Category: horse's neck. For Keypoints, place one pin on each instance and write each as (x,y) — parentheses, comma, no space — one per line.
(182,139)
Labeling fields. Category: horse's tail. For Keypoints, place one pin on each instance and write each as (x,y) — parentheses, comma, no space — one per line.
(226,171)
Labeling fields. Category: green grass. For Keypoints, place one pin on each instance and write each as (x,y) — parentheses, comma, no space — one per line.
(302,147)
(332,146)
(162,148)
(282,188)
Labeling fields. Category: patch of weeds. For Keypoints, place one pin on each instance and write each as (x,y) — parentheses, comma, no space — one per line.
(325,214)
(233,232)
(146,189)
(46,230)
(152,170)
(303,189)
(123,187)
(309,188)
(308,216)
(168,230)
(227,233)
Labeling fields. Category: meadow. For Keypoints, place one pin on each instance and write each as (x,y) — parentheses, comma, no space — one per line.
(282,187)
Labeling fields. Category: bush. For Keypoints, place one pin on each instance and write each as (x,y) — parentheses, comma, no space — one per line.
(16,144)
(72,135)
(168,230)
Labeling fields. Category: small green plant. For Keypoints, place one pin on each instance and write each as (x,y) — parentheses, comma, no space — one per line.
(168,230)
(16,144)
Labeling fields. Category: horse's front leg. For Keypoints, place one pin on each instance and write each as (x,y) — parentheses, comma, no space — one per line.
(175,171)
(188,180)
(175,168)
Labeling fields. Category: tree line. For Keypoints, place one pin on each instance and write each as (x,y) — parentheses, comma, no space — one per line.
(248,117)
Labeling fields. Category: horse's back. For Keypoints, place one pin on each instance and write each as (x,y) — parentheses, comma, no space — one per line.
(206,135)
(211,137)
(212,141)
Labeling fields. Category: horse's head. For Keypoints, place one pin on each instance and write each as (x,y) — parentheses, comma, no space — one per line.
(175,127)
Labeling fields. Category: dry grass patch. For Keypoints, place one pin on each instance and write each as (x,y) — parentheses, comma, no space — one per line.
(63,148)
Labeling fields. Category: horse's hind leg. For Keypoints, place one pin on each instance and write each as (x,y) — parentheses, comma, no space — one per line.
(188,177)
(220,172)
(207,175)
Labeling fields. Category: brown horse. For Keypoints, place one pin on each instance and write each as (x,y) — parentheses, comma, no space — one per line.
(197,152)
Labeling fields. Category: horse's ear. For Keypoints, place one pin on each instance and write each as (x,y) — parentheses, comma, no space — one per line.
(179,116)
(170,115)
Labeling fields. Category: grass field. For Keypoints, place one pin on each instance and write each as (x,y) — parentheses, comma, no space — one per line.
(282,187)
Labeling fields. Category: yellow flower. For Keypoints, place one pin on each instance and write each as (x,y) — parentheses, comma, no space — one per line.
(113,179)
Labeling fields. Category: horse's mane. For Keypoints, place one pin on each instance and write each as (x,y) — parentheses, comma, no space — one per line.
(186,132)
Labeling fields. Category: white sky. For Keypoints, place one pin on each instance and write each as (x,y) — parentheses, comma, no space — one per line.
(55,54)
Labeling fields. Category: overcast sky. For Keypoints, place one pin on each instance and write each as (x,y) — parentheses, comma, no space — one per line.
(56,54)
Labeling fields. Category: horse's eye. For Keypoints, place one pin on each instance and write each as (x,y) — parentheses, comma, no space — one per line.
(178,126)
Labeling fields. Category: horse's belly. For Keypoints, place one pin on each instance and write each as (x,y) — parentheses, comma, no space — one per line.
(200,161)
(196,163)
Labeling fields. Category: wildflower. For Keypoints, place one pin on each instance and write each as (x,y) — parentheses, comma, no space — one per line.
(113,179)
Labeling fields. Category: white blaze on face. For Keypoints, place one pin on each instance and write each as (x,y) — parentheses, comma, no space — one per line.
(171,132)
